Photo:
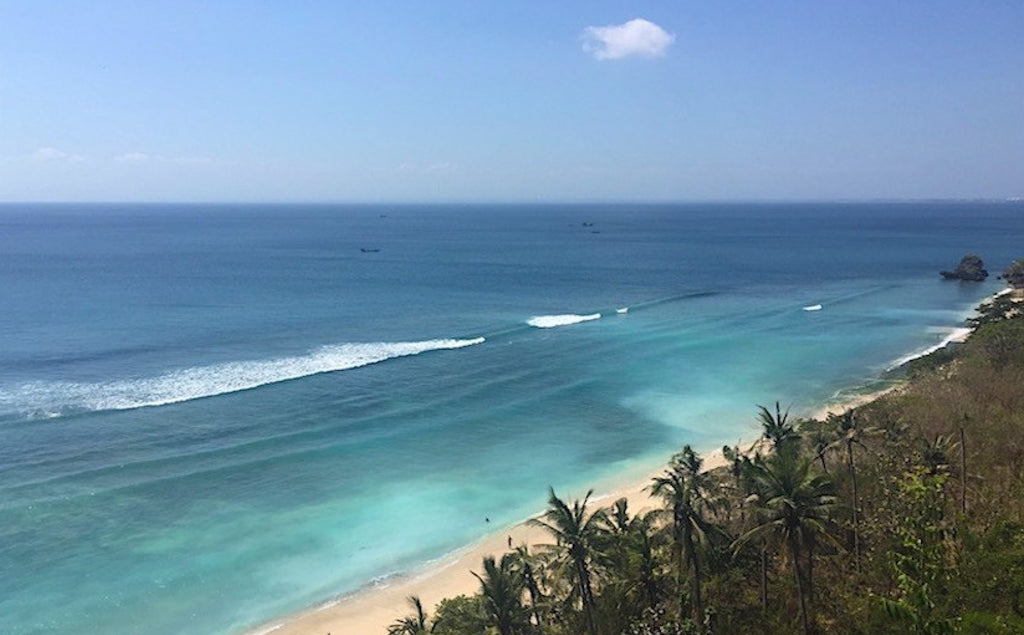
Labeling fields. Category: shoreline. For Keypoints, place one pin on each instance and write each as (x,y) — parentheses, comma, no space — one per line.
(371,609)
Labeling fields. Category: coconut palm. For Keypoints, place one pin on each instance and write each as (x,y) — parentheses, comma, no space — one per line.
(647,565)
(851,432)
(683,487)
(575,530)
(524,564)
(502,591)
(936,453)
(820,437)
(415,624)
(776,428)
(794,507)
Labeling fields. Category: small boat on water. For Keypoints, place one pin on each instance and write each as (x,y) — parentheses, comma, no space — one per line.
(369,250)
(813,307)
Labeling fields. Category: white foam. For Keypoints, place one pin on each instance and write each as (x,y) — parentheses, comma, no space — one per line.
(551,321)
(623,310)
(956,335)
(813,307)
(207,381)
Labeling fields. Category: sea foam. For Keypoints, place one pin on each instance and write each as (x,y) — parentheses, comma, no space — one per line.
(551,321)
(956,335)
(207,381)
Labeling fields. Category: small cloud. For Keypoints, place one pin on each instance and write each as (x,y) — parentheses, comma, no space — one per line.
(47,155)
(638,37)
(133,157)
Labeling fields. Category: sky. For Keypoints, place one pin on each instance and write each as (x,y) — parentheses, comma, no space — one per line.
(517,101)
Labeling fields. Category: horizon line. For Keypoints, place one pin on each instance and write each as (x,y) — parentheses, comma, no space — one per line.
(455,202)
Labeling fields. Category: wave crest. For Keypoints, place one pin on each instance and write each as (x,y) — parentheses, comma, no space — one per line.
(207,381)
(957,335)
(551,321)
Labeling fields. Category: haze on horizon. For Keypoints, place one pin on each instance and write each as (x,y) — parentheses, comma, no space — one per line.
(519,102)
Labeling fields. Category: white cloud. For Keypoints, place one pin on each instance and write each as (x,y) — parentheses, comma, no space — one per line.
(638,37)
(53,154)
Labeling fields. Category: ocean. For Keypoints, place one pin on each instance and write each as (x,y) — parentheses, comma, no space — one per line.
(214,415)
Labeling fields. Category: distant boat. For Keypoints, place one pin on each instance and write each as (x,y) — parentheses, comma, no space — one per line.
(813,307)
(368,250)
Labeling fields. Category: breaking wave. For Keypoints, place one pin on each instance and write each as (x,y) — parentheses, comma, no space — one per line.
(551,321)
(46,398)
(957,335)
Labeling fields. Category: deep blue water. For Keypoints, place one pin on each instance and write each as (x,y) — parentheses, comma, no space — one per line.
(214,415)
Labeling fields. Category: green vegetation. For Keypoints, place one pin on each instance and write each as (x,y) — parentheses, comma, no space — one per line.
(905,515)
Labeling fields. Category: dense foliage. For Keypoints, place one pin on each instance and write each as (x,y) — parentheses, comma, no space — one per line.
(905,515)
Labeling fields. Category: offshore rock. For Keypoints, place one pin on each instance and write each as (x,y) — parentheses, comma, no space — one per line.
(971,268)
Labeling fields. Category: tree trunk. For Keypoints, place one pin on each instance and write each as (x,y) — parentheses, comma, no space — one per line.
(764,577)
(588,598)
(794,552)
(963,471)
(531,586)
(856,507)
(821,457)
(691,554)
(810,573)
(647,572)
(677,554)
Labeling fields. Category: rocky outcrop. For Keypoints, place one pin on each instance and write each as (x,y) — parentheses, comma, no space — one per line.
(971,268)
(1014,274)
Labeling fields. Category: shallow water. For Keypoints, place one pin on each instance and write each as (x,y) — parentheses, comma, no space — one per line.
(212,415)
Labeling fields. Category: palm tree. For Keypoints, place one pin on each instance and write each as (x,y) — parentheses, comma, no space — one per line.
(684,489)
(575,531)
(415,624)
(647,565)
(795,507)
(502,591)
(523,564)
(820,437)
(776,428)
(850,432)
(936,453)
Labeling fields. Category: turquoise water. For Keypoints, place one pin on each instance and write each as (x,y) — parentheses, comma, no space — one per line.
(214,415)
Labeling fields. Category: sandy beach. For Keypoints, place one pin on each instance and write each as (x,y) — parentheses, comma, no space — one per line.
(371,610)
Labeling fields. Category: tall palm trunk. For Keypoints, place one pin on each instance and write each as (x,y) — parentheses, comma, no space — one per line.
(810,572)
(963,471)
(647,572)
(531,586)
(856,507)
(794,552)
(764,576)
(677,556)
(587,593)
(691,555)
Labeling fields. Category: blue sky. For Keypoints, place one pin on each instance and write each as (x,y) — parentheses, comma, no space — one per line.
(512,101)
